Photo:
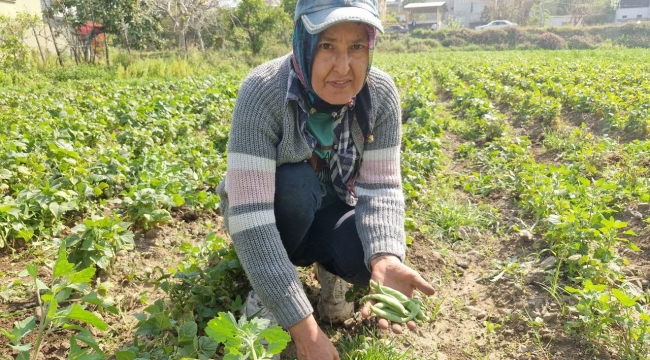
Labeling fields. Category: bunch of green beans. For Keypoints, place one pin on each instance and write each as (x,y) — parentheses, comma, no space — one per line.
(393,305)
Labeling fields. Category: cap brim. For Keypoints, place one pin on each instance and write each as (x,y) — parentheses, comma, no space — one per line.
(321,20)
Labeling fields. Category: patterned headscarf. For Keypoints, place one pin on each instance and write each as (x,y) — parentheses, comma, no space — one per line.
(304,50)
(342,162)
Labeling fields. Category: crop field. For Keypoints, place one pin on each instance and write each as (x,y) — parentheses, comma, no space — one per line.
(527,184)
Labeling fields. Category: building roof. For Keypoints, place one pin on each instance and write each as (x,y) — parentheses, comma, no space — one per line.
(634,3)
(422,6)
(426,7)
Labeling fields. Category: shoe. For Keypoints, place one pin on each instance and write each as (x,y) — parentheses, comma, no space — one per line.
(332,306)
(253,307)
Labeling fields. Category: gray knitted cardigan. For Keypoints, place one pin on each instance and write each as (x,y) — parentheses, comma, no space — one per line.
(265,135)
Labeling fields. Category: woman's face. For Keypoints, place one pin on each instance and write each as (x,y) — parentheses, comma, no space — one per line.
(340,63)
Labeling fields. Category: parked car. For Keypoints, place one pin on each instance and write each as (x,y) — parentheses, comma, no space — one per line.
(496,24)
(397,29)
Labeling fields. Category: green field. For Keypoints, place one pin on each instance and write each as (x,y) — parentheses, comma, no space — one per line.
(526,174)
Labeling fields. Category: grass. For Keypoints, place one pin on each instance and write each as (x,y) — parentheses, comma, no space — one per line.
(362,347)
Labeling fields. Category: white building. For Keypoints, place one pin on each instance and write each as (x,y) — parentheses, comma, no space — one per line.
(633,10)
(468,11)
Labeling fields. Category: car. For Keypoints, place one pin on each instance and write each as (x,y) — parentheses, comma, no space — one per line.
(496,24)
(396,29)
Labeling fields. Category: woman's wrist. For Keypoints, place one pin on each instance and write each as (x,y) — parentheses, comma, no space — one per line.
(305,328)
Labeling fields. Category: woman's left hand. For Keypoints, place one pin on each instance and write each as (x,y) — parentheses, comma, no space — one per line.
(389,271)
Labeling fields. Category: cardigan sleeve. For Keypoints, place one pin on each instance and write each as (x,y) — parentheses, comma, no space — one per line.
(255,133)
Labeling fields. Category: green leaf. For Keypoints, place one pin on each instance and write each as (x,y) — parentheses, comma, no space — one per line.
(154,325)
(23,347)
(207,347)
(125,355)
(633,246)
(86,337)
(623,298)
(52,307)
(32,270)
(187,333)
(277,339)
(41,285)
(62,266)
(79,313)
(82,277)
(5,174)
(178,200)
(572,290)
(55,209)
(589,286)
(22,328)
(222,328)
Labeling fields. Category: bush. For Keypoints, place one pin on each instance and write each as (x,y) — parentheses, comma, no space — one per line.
(419,48)
(525,46)
(391,46)
(580,42)
(454,41)
(81,72)
(550,41)
(490,37)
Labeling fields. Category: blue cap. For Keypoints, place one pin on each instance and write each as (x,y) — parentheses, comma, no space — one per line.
(318,15)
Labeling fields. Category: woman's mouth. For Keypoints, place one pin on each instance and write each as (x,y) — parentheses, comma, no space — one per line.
(339,84)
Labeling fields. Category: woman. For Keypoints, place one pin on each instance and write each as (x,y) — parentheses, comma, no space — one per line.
(314,175)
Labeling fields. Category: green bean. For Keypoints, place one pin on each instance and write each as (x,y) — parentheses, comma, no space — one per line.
(380,289)
(388,315)
(390,301)
(395,306)
(414,306)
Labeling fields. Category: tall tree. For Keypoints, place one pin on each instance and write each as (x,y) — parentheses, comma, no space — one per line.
(513,10)
(186,15)
(289,7)
(133,22)
(589,10)
(258,21)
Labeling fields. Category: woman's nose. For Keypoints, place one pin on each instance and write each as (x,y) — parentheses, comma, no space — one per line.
(342,62)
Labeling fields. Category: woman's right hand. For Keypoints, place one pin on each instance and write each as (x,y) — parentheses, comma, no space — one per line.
(311,342)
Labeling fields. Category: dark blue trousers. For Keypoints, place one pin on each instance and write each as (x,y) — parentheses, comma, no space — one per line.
(327,236)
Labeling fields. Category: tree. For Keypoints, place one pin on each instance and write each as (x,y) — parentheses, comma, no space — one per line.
(13,53)
(593,11)
(453,22)
(289,7)
(513,10)
(132,22)
(538,16)
(186,15)
(258,21)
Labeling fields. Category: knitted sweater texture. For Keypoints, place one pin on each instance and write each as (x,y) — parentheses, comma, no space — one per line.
(264,135)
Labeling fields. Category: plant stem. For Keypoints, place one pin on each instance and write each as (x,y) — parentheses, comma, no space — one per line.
(250,344)
(42,320)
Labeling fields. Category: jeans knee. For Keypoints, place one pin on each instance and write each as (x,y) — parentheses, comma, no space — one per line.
(297,192)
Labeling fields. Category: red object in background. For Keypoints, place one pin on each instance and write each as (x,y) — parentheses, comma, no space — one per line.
(92,35)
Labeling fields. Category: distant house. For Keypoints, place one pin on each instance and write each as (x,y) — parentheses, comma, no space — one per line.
(424,15)
(40,37)
(633,10)
(468,11)
(12,7)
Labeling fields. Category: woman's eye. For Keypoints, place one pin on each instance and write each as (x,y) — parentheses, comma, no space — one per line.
(326,46)
(357,47)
